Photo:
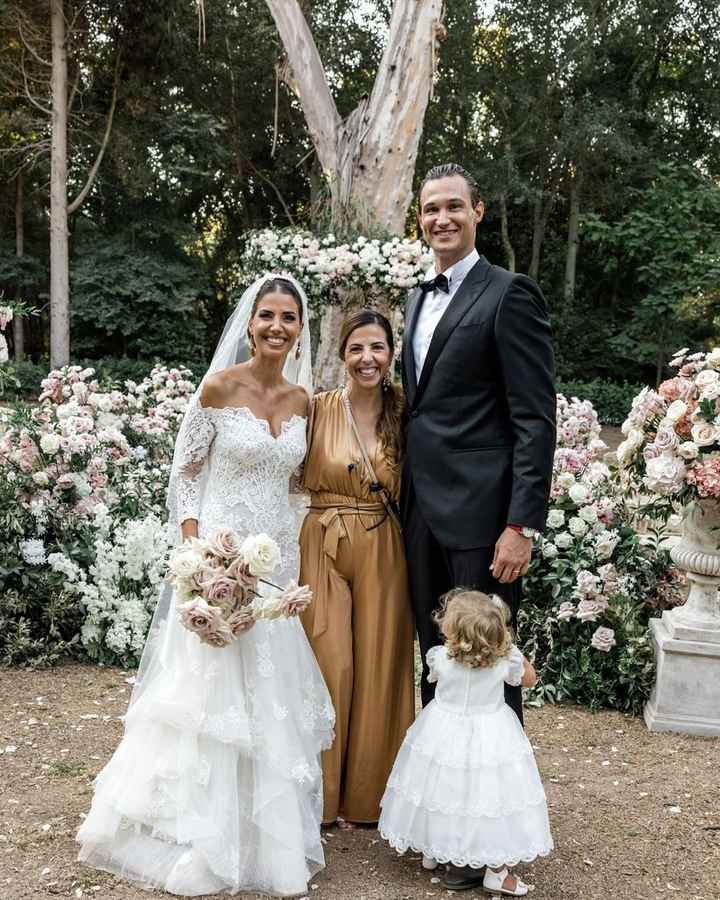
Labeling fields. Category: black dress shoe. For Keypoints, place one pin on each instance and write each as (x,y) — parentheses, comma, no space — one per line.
(462,878)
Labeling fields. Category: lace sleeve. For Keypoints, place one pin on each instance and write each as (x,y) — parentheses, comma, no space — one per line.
(515,667)
(199,434)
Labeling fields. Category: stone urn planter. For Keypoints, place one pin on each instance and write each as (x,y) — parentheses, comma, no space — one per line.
(686,696)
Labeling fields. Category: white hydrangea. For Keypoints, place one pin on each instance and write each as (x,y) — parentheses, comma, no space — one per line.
(33,552)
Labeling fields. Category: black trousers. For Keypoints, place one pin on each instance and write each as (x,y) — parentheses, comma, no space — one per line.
(433,570)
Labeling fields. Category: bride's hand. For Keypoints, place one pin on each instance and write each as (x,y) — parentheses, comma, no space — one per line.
(189,529)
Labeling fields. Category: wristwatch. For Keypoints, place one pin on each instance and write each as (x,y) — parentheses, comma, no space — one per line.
(526,532)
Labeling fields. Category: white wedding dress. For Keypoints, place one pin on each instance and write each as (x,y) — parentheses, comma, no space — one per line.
(216,785)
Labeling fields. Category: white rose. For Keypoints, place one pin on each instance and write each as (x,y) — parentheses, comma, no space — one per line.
(261,554)
(706,378)
(704,434)
(635,438)
(711,392)
(713,358)
(625,453)
(556,518)
(185,563)
(676,411)
(549,550)
(41,479)
(578,493)
(577,526)
(563,540)
(688,450)
(588,514)
(566,480)
(665,474)
(50,444)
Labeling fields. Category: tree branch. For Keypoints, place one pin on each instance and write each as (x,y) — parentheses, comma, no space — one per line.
(76,203)
(31,50)
(308,78)
(30,97)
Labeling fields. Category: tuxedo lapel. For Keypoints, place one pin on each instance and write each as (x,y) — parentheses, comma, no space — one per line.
(408,356)
(472,287)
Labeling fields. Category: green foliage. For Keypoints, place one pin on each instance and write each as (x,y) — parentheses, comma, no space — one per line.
(611,400)
(671,236)
(128,300)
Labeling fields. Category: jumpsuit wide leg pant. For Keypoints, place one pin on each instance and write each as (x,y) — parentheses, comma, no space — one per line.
(360,627)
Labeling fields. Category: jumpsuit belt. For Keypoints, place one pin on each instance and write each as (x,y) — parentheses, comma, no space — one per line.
(331,510)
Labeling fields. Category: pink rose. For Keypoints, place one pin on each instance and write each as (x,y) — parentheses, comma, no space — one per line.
(590,610)
(669,390)
(218,589)
(241,621)
(196,615)
(603,639)
(223,543)
(65,482)
(295,598)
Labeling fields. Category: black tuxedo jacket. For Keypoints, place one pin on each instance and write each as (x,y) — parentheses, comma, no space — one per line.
(480,423)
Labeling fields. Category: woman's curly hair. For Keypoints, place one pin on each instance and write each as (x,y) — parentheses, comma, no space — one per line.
(475,627)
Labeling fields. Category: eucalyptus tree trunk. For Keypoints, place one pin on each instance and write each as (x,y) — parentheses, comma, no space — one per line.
(18,331)
(573,240)
(59,258)
(369,156)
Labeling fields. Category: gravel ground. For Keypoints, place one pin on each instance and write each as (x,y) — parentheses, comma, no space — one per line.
(634,815)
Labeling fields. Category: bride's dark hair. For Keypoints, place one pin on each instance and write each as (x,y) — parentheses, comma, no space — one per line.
(389,426)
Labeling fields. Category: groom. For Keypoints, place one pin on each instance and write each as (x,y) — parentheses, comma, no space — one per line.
(480,434)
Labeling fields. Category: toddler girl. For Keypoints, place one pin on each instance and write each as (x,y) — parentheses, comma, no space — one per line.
(465,788)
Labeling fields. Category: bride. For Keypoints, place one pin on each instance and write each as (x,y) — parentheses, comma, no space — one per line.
(216,785)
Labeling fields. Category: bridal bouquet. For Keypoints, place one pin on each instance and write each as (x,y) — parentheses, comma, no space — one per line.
(216,582)
(672,442)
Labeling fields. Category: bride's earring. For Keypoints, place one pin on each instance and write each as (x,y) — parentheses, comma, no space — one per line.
(297,350)
(386,382)
(251,339)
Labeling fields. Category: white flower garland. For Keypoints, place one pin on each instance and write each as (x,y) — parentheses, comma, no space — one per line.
(383,269)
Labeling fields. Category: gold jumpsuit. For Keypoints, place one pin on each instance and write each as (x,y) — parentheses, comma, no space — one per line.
(359,624)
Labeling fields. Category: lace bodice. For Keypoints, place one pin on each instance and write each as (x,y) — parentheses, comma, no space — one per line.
(466,690)
(235,474)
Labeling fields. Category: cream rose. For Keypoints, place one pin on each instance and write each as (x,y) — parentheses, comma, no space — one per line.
(688,450)
(704,434)
(706,378)
(564,540)
(577,526)
(578,493)
(261,554)
(186,562)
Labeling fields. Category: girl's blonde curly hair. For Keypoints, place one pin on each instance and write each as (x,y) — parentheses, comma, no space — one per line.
(475,627)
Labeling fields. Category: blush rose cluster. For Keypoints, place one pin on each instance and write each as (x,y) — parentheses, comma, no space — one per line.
(672,435)
(216,581)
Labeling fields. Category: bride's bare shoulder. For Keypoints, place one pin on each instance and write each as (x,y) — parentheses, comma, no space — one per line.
(298,399)
(221,387)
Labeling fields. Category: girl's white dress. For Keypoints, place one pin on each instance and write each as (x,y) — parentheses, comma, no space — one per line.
(465,788)
(216,785)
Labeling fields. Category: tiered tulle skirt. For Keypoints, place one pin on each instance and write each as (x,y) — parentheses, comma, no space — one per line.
(465,789)
(216,785)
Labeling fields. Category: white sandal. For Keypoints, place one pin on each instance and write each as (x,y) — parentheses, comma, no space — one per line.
(493,883)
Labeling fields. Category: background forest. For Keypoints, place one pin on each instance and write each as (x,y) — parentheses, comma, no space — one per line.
(593,128)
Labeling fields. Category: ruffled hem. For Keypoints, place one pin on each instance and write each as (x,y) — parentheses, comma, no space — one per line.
(516,836)
(464,810)
(475,861)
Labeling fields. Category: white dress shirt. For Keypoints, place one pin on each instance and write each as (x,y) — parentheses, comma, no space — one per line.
(435,304)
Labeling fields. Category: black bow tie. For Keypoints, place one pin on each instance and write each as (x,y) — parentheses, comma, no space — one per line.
(438,283)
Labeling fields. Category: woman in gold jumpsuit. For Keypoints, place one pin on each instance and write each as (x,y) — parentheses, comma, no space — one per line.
(359,623)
